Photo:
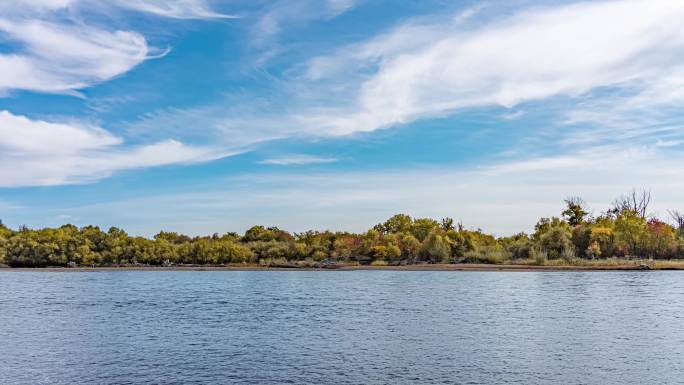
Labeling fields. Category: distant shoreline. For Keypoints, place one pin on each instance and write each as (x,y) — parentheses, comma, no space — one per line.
(421,267)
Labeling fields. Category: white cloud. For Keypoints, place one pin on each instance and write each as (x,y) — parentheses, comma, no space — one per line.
(646,108)
(669,143)
(60,57)
(298,160)
(38,152)
(18,134)
(35,5)
(180,9)
(428,69)
(51,49)
(231,123)
(420,69)
(287,13)
(432,67)
(337,7)
(57,52)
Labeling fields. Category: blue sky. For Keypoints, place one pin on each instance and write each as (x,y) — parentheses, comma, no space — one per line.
(210,116)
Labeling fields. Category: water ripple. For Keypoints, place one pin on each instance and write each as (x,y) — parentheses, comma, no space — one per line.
(362,327)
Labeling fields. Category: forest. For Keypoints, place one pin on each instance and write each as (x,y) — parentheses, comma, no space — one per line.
(626,230)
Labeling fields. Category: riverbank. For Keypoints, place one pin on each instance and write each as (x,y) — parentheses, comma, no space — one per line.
(593,266)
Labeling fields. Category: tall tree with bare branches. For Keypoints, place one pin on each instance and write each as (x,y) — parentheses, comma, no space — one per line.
(636,202)
(678,218)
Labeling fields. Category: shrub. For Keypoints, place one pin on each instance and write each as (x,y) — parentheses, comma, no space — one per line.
(594,250)
(485,254)
(539,256)
(556,242)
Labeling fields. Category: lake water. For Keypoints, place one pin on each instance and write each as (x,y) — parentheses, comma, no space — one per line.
(331,327)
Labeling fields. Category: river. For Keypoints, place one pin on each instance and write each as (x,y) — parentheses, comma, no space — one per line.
(341,327)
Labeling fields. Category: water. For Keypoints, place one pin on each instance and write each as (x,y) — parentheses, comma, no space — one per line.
(361,327)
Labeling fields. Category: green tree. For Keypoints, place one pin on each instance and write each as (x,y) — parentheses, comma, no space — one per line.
(5,234)
(447,224)
(554,237)
(435,249)
(575,211)
(409,246)
(422,227)
(519,246)
(630,233)
(399,223)
(389,253)
(581,238)
(604,237)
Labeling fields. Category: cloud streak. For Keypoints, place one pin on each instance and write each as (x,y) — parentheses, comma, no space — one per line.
(43,153)
(298,160)
(49,48)
(430,69)
(179,9)
(62,58)
(56,52)
(298,11)
(625,78)
(620,82)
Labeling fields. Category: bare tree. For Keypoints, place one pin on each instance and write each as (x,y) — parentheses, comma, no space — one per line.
(636,202)
(447,224)
(678,217)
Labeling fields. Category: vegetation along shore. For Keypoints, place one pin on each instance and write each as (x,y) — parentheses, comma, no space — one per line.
(625,236)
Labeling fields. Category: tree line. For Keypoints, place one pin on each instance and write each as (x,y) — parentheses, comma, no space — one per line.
(625,230)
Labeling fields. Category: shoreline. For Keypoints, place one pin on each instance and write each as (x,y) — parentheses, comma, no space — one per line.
(426,267)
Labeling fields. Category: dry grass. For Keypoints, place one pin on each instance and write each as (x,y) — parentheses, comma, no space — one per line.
(602,263)
(613,262)
(670,264)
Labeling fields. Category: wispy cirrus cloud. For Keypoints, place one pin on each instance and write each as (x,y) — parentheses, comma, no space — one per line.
(286,14)
(60,57)
(42,153)
(427,69)
(669,143)
(298,160)
(625,78)
(179,9)
(53,50)
(48,47)
(421,69)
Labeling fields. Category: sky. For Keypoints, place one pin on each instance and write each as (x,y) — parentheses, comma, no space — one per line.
(204,116)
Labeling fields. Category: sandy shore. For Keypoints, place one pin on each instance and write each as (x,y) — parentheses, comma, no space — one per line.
(434,267)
